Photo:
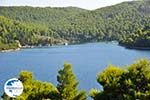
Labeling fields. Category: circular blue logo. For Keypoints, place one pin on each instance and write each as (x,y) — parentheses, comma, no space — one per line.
(13,87)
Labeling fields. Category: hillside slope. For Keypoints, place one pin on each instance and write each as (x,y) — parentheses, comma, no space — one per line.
(74,25)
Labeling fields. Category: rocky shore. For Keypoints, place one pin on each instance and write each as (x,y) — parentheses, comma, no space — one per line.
(10,50)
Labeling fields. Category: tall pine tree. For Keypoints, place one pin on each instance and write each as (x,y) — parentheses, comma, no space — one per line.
(68,85)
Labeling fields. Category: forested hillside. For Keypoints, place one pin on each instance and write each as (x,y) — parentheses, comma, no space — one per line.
(138,40)
(34,26)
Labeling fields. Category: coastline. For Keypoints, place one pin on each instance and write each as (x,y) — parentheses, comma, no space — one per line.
(134,47)
(10,50)
(28,46)
(138,48)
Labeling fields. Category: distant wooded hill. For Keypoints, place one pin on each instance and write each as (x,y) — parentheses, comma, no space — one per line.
(34,26)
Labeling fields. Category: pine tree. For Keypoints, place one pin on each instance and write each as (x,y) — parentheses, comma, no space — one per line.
(67,85)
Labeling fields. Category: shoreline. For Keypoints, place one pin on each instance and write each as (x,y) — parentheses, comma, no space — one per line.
(137,48)
(10,50)
(26,47)
(134,47)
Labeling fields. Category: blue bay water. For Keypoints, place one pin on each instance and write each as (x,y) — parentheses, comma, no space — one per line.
(87,60)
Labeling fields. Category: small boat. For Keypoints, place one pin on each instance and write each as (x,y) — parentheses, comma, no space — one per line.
(66,44)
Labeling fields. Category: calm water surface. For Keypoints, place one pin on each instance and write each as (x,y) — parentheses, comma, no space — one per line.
(87,60)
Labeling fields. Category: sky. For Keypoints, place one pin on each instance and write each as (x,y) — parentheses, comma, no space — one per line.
(86,4)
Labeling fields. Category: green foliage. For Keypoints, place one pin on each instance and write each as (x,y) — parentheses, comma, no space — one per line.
(118,84)
(67,85)
(37,90)
(137,80)
(13,45)
(23,32)
(94,93)
(110,75)
(25,76)
(34,26)
(34,89)
(122,84)
(81,96)
(139,39)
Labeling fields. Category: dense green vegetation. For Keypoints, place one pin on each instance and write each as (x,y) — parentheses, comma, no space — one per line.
(129,83)
(67,87)
(132,83)
(27,34)
(140,39)
(34,26)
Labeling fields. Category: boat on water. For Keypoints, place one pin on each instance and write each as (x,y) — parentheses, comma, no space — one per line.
(66,44)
